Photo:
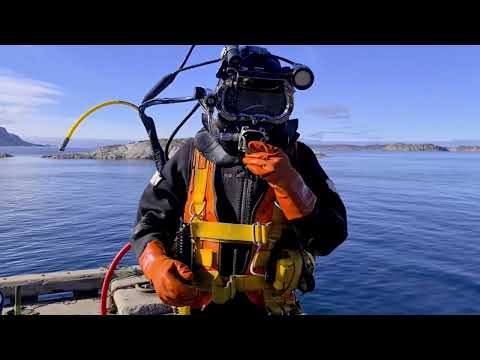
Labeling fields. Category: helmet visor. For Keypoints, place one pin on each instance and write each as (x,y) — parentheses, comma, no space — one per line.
(242,101)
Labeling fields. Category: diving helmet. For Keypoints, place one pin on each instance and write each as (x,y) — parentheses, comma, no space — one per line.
(253,99)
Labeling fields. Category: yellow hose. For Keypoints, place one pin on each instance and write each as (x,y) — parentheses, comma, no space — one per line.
(89,112)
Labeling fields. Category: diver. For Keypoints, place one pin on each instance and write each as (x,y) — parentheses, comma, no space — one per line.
(235,219)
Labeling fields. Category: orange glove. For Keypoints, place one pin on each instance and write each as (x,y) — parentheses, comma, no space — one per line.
(294,197)
(169,276)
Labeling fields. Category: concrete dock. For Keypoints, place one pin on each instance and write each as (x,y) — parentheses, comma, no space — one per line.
(78,293)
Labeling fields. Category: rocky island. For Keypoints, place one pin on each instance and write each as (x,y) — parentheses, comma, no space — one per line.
(382,147)
(133,151)
(5,155)
(464,148)
(413,147)
(395,147)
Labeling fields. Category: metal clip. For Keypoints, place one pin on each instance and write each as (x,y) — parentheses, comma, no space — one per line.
(259,245)
(194,215)
(254,235)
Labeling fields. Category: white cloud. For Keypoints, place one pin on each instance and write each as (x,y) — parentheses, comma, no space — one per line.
(20,97)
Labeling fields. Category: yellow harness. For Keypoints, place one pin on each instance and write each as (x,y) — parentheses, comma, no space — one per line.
(278,297)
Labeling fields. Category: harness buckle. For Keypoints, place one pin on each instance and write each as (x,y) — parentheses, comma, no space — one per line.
(259,242)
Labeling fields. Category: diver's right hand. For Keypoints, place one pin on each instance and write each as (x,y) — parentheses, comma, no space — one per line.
(169,276)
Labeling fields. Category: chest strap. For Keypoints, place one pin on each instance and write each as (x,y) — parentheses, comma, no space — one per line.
(225,232)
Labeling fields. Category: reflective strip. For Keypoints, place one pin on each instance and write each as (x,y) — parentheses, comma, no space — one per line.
(156,178)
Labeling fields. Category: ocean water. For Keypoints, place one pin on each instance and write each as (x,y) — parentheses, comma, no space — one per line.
(414,225)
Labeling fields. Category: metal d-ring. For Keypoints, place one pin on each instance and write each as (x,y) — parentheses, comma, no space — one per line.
(259,245)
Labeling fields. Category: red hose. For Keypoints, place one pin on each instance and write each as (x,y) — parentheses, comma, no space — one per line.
(108,277)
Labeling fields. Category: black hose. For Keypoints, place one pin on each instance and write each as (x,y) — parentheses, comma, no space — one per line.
(197,65)
(195,108)
(283,59)
(187,57)
(159,155)
(164,101)
(164,82)
(157,151)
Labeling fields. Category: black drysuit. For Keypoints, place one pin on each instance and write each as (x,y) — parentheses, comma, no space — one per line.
(238,192)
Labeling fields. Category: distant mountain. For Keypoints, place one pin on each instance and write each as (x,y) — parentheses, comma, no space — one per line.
(8,139)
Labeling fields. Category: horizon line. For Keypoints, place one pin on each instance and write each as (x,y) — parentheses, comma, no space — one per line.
(304,138)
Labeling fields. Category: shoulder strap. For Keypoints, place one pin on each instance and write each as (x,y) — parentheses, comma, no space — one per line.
(200,203)
(200,175)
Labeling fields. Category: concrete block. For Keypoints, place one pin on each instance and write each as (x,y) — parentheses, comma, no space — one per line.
(134,302)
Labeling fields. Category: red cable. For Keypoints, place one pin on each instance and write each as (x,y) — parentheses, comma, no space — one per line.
(108,277)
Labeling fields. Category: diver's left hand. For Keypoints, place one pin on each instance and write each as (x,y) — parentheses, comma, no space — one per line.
(272,164)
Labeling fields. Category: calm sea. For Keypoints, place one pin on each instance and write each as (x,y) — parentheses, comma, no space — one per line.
(414,224)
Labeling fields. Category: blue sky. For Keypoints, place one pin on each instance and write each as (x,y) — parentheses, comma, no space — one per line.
(361,93)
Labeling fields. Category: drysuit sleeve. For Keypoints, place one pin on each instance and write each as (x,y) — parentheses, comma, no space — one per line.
(162,203)
(325,228)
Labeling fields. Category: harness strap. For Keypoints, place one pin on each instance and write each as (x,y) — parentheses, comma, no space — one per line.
(200,176)
(226,232)
(222,292)
(278,223)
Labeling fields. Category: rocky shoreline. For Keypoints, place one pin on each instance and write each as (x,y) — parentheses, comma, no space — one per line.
(142,150)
